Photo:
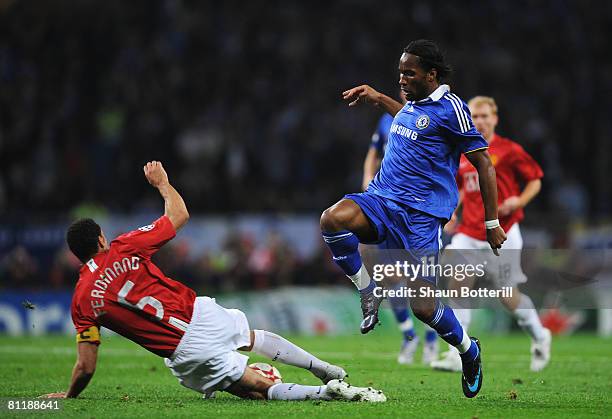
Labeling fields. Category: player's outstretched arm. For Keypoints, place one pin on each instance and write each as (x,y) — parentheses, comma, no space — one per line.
(175,208)
(366,94)
(84,368)
(481,160)
(83,371)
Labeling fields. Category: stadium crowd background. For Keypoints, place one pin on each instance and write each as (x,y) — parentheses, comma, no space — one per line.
(241,101)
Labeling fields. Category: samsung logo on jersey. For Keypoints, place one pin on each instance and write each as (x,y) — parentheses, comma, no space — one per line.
(403,131)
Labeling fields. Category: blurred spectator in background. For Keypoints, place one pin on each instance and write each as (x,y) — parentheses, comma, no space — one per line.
(241,264)
(19,269)
(242,101)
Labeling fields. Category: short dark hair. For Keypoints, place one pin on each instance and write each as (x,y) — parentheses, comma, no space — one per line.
(430,56)
(82,238)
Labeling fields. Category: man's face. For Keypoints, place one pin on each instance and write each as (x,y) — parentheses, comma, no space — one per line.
(415,83)
(485,120)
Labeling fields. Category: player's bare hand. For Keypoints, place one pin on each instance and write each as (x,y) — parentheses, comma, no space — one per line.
(155,174)
(361,94)
(496,236)
(509,206)
(61,395)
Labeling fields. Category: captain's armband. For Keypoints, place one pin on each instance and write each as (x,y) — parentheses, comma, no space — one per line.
(91,334)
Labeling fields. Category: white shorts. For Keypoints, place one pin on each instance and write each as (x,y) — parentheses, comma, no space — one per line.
(205,359)
(502,270)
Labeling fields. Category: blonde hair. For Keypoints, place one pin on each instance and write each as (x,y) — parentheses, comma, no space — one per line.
(483,100)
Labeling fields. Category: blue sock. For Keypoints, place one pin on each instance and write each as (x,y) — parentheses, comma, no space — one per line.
(448,327)
(471,353)
(344,247)
(430,336)
(402,316)
(405,322)
(369,288)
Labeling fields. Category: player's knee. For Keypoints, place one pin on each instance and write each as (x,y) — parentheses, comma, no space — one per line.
(335,218)
(251,386)
(328,222)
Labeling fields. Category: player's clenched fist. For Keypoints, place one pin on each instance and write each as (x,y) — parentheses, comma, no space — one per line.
(496,236)
(362,94)
(155,173)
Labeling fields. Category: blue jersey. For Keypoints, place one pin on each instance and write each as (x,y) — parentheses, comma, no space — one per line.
(425,142)
(379,138)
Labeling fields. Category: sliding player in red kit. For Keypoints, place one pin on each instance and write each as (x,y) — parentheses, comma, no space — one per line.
(120,288)
(513,167)
(148,293)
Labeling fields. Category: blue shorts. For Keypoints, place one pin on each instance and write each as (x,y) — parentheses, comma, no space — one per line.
(401,227)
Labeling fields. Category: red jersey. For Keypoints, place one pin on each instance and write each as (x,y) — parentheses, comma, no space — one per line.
(513,166)
(122,290)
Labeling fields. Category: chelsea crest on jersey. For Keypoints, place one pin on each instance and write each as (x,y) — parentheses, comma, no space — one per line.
(425,142)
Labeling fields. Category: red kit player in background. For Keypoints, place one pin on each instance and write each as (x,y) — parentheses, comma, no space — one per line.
(513,167)
(120,288)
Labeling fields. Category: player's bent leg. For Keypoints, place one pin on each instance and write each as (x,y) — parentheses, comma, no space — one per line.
(523,310)
(257,387)
(343,226)
(450,360)
(442,319)
(251,386)
(334,390)
(347,215)
(277,348)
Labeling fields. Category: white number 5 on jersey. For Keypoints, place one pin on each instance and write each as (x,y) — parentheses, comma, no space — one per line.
(148,300)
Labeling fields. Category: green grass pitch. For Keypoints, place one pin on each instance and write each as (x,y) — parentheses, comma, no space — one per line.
(130,382)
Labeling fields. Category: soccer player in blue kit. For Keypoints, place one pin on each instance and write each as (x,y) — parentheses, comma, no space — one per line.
(399,305)
(415,193)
